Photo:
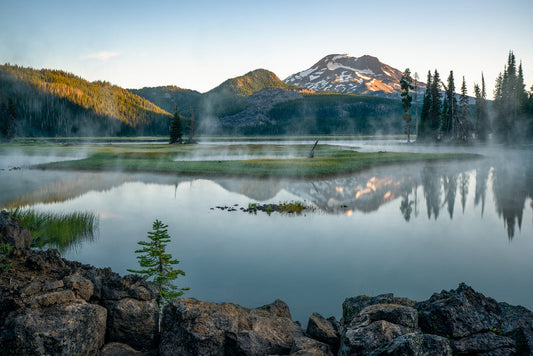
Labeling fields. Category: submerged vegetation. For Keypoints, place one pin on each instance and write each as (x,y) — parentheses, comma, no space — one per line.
(58,230)
(291,207)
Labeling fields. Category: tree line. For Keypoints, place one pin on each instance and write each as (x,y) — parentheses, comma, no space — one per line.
(450,117)
(55,103)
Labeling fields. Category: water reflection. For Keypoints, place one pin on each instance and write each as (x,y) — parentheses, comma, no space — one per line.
(435,185)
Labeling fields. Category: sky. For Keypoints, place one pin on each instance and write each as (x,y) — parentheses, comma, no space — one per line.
(199,44)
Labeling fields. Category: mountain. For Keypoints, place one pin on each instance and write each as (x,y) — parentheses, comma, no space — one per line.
(52,102)
(356,75)
(167,97)
(252,82)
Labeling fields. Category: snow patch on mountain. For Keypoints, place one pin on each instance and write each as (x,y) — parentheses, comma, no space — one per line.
(345,74)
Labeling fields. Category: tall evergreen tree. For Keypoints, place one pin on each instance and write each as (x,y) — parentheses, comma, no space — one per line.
(464,124)
(415,82)
(510,103)
(423,128)
(175,128)
(482,116)
(449,109)
(406,85)
(435,107)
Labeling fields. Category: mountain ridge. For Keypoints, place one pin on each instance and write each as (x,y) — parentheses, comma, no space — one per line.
(365,75)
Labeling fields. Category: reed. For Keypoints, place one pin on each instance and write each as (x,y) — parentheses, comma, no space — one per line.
(57,230)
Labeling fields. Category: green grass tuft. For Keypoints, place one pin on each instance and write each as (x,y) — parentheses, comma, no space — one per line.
(57,230)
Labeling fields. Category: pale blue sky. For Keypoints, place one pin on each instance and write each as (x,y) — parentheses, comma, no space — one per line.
(198,44)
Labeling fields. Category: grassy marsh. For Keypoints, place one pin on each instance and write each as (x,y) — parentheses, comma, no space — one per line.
(329,160)
(57,230)
(265,160)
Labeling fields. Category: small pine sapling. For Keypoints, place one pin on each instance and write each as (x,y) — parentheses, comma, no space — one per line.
(157,265)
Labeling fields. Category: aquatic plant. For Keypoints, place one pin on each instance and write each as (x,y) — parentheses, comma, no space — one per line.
(58,230)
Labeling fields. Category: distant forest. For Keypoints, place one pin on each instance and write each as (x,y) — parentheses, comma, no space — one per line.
(56,103)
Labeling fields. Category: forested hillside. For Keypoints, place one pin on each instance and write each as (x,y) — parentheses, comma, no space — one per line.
(56,103)
(167,97)
(334,113)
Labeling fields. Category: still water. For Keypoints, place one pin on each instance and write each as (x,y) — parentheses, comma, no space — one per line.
(407,229)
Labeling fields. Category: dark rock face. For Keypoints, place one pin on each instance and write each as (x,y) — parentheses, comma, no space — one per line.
(483,343)
(192,327)
(304,346)
(455,322)
(67,329)
(364,340)
(352,306)
(133,322)
(12,233)
(418,344)
(459,313)
(324,330)
(50,305)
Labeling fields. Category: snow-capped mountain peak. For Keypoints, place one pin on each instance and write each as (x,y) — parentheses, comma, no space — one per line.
(345,74)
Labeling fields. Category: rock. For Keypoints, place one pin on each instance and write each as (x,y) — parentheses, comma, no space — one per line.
(524,340)
(352,306)
(132,321)
(304,346)
(515,317)
(393,313)
(192,327)
(363,340)
(323,330)
(31,288)
(53,286)
(45,261)
(83,287)
(416,344)
(459,313)
(111,286)
(484,343)
(12,233)
(118,349)
(53,298)
(69,329)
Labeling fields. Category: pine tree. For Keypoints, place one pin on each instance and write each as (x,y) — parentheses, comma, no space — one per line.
(510,102)
(158,265)
(435,108)
(482,116)
(405,85)
(449,109)
(464,124)
(175,128)
(423,128)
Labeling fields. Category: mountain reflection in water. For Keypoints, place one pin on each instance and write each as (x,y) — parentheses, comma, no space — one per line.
(435,184)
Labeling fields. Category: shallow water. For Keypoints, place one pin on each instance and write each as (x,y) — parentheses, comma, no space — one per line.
(411,230)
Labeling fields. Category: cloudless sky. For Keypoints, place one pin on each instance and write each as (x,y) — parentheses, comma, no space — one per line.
(199,44)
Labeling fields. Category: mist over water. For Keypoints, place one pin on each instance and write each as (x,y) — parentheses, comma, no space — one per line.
(410,229)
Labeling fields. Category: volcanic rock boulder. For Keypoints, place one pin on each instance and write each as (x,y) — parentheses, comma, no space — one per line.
(67,329)
(304,346)
(192,327)
(12,233)
(324,330)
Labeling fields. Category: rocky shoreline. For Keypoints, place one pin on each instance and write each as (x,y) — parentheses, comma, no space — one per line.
(49,305)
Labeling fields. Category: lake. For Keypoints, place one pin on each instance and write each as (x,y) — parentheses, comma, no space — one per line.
(410,229)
